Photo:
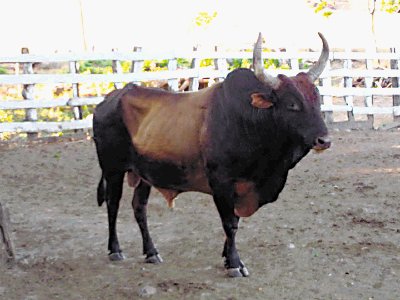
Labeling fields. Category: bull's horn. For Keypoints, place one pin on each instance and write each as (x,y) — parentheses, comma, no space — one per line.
(319,66)
(258,65)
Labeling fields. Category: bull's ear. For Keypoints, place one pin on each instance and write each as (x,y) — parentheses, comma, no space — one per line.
(260,100)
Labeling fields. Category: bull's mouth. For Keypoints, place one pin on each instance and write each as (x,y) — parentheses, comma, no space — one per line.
(321,144)
(319,150)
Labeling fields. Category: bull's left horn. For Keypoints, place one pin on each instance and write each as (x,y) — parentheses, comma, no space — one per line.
(258,65)
(316,70)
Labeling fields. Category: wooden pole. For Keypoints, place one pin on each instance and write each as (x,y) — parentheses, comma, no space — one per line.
(117,69)
(4,231)
(173,84)
(220,65)
(28,94)
(394,65)
(369,100)
(327,100)
(194,81)
(77,110)
(294,61)
(348,82)
(83,26)
(137,66)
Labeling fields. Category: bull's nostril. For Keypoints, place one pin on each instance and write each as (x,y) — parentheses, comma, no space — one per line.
(322,143)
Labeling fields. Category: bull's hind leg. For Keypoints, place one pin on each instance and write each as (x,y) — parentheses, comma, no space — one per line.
(114,184)
(139,204)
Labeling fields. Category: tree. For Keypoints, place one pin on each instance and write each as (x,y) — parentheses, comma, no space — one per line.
(204,18)
(390,6)
(325,7)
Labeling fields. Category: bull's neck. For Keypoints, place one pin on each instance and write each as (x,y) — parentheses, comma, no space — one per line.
(275,147)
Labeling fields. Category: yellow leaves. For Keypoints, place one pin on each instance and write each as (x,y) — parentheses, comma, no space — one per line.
(204,18)
(4,117)
(325,7)
(390,6)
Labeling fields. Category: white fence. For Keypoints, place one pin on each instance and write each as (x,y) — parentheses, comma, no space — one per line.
(356,87)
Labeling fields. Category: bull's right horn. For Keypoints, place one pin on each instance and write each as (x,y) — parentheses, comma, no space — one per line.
(258,65)
(316,70)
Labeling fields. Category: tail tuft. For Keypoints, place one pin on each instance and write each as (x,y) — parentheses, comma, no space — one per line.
(101,190)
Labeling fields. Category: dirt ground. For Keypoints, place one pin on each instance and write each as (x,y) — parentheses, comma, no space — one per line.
(334,232)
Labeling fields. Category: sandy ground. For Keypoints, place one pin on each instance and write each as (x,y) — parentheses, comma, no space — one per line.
(334,233)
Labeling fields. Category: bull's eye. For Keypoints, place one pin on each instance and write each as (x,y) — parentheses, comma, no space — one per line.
(293,106)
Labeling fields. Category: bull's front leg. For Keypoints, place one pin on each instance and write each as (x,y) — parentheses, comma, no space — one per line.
(235,267)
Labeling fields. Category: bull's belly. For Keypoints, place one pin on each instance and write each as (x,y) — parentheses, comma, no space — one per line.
(170,178)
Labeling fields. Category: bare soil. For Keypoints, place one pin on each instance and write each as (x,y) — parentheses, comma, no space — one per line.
(334,232)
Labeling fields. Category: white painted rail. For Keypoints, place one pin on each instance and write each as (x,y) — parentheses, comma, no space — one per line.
(349,76)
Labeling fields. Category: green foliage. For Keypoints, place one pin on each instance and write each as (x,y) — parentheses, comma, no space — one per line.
(272,63)
(303,65)
(390,6)
(95,66)
(184,63)
(247,63)
(155,65)
(3,70)
(240,63)
(86,111)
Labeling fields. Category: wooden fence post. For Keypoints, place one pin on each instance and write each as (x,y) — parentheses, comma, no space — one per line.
(173,84)
(194,81)
(327,100)
(221,65)
(394,65)
(137,66)
(17,70)
(4,231)
(28,94)
(348,82)
(117,68)
(77,110)
(369,100)
(294,62)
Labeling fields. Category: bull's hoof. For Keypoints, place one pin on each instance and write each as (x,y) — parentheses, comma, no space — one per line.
(154,259)
(238,272)
(117,256)
(244,271)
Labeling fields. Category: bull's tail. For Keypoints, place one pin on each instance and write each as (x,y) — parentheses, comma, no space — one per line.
(101,190)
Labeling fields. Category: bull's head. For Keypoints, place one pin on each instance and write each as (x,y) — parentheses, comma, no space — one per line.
(296,99)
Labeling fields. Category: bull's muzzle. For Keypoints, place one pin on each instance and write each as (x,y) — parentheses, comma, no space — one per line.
(322,143)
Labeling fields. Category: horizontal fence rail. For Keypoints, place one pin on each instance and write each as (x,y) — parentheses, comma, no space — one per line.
(355,87)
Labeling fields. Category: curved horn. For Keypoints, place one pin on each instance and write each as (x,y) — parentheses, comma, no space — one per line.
(316,70)
(258,65)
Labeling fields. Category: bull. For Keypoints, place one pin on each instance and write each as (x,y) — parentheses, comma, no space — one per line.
(236,141)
